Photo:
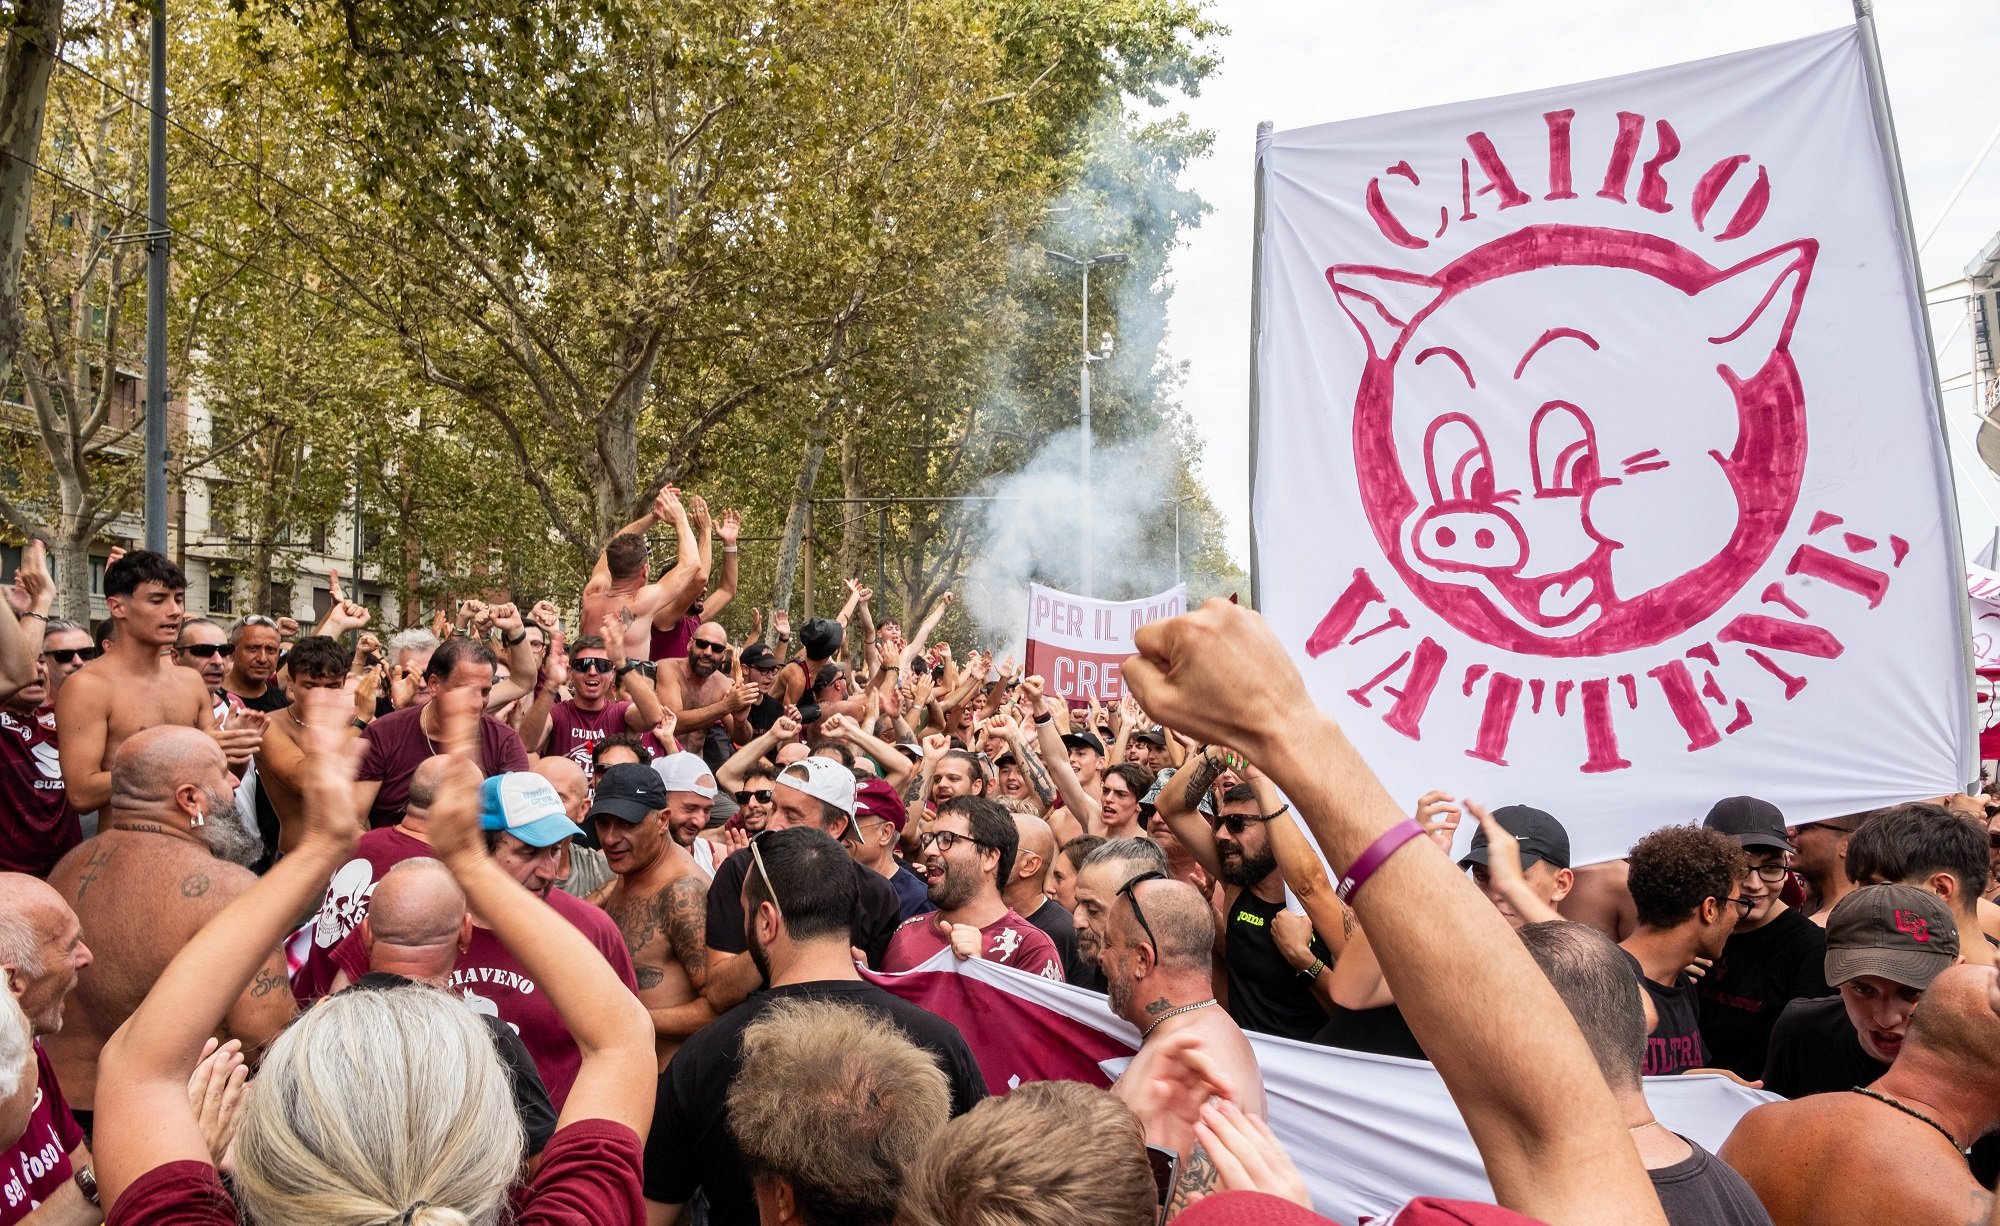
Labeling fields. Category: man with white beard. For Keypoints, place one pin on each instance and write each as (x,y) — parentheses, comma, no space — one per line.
(168,860)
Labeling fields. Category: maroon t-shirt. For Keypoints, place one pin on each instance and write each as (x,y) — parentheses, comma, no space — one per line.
(1009,940)
(396,745)
(37,1166)
(589,1176)
(673,644)
(36,823)
(489,979)
(574,731)
(346,903)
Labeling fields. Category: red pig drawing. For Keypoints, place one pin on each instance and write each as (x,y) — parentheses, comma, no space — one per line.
(1574,441)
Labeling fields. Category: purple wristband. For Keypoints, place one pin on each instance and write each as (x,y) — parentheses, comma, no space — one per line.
(1381,849)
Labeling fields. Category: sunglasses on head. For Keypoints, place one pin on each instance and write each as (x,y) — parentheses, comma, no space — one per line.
(761,795)
(69,655)
(208,651)
(1131,892)
(590,664)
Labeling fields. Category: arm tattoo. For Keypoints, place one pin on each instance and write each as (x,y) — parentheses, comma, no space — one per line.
(1038,775)
(266,983)
(913,792)
(1347,922)
(684,914)
(1198,1178)
(1201,777)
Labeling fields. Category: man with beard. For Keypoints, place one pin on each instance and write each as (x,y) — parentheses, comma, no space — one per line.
(1111,864)
(1156,960)
(658,896)
(796,905)
(568,729)
(1266,992)
(702,695)
(135,684)
(969,849)
(168,860)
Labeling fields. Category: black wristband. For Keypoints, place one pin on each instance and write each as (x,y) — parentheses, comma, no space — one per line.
(516,641)
(623,669)
(1043,718)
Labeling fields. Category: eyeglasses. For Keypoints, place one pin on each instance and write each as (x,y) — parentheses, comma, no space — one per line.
(590,664)
(945,840)
(699,645)
(1830,827)
(1131,892)
(757,855)
(1237,822)
(762,796)
(206,651)
(1748,905)
(1770,873)
(70,655)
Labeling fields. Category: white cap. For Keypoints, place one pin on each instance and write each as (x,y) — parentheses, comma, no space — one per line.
(686,772)
(826,780)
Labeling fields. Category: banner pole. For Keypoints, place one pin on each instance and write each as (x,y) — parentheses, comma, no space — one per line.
(1885,122)
(1264,129)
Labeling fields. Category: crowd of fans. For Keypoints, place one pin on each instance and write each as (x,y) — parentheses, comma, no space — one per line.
(544,918)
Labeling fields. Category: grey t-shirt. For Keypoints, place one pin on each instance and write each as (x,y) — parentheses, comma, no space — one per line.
(1703,1190)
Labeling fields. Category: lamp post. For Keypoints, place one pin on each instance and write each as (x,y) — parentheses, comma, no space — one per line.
(1083,393)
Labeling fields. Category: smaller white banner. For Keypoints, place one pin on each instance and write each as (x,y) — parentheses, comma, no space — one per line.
(1983,586)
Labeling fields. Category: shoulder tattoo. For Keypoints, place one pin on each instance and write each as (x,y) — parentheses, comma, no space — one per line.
(194,885)
(683,909)
(1198,1178)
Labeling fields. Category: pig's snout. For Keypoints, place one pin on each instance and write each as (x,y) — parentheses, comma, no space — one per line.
(1470,536)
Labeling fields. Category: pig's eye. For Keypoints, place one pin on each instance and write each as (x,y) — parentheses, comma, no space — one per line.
(1457,462)
(1564,451)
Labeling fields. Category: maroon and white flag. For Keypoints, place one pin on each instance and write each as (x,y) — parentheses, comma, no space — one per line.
(1079,644)
(1598,459)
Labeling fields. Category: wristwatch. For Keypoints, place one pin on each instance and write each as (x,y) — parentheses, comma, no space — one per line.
(86,1183)
(623,669)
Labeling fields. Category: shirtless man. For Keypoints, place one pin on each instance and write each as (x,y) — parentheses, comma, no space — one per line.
(698,691)
(316,662)
(673,630)
(160,871)
(658,897)
(1156,960)
(617,586)
(136,685)
(1890,1152)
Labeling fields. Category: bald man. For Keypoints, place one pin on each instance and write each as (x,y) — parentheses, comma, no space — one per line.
(699,691)
(417,926)
(42,1147)
(584,870)
(1891,1152)
(1158,952)
(168,860)
(1026,893)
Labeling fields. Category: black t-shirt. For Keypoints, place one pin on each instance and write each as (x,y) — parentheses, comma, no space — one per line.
(531,1097)
(1381,1031)
(1675,1043)
(691,1145)
(1056,922)
(1758,974)
(1267,993)
(1814,1050)
(272,699)
(875,917)
(1703,1190)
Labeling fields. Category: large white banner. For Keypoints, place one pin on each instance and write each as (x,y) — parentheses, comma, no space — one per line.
(1367,1132)
(1079,644)
(1598,464)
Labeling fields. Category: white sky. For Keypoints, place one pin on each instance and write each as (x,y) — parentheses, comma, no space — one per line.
(1298,63)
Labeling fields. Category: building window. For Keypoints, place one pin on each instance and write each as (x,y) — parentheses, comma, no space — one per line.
(97,564)
(221,592)
(10,561)
(278,600)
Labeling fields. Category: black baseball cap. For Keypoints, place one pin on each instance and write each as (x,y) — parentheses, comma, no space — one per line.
(1900,932)
(1542,837)
(629,791)
(1153,736)
(759,655)
(1750,821)
(1083,738)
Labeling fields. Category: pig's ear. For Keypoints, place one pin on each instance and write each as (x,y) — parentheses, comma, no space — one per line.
(1380,301)
(1748,311)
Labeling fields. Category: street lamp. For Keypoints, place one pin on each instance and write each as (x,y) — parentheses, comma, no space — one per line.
(1083,395)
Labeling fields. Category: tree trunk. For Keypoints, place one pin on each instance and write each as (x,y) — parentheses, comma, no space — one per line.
(853,515)
(69,554)
(25,67)
(795,514)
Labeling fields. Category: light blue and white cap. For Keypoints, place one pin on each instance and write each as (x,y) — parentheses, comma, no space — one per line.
(526,806)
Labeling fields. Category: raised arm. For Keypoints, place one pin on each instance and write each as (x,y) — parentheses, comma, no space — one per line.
(632,682)
(1179,806)
(1221,675)
(521,665)
(729,776)
(143,1116)
(896,769)
(535,721)
(729,528)
(1081,804)
(24,615)
(914,649)
(610,1026)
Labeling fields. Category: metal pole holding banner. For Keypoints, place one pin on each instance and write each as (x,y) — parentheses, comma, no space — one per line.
(1885,125)
(156,294)
(1083,441)
(1256,332)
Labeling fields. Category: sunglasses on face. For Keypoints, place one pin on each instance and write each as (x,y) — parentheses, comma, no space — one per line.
(1237,823)
(208,651)
(70,655)
(762,796)
(590,665)
(698,645)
